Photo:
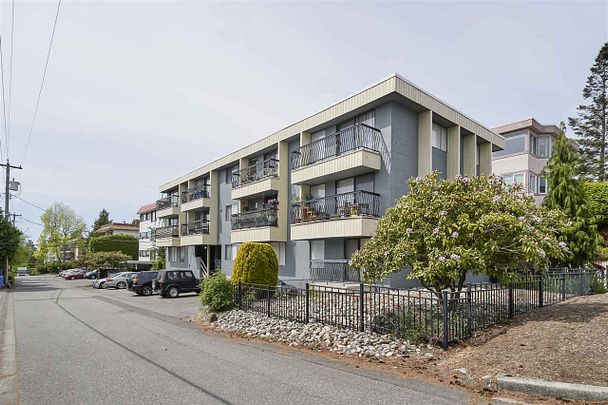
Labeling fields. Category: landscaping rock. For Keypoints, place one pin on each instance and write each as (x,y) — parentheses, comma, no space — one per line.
(316,336)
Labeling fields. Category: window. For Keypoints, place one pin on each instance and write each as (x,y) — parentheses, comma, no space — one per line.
(317,191)
(533,186)
(533,145)
(235,249)
(187,276)
(227,251)
(317,249)
(279,250)
(513,144)
(229,172)
(542,185)
(543,147)
(515,178)
(440,137)
(345,186)
(227,212)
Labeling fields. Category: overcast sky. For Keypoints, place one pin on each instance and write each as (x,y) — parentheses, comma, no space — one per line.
(139,93)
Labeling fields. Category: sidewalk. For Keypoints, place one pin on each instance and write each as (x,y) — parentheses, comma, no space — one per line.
(8,361)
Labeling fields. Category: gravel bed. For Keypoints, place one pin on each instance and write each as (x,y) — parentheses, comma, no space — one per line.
(316,336)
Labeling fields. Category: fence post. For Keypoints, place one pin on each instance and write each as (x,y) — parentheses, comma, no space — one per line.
(361,308)
(511,301)
(469,311)
(307,313)
(564,286)
(239,296)
(446,319)
(268,295)
(540,292)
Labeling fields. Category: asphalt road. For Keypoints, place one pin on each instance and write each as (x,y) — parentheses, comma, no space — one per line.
(77,345)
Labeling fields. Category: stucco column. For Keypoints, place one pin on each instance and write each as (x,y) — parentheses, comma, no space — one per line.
(214,181)
(453,152)
(485,159)
(182,216)
(425,150)
(304,190)
(469,155)
(283,192)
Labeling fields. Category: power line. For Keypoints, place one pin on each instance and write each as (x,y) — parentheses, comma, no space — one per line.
(46,65)
(30,221)
(30,203)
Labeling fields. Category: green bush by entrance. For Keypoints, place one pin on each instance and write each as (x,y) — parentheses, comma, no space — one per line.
(217,292)
(256,263)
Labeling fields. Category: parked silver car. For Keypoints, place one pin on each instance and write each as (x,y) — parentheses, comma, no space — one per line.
(118,281)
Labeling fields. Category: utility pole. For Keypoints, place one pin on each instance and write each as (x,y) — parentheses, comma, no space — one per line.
(7,215)
(14,216)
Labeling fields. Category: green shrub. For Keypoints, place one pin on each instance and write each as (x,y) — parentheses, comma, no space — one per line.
(217,292)
(54,267)
(126,244)
(597,286)
(256,263)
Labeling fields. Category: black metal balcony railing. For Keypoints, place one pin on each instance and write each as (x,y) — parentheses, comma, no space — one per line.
(261,170)
(255,219)
(171,231)
(196,193)
(196,228)
(333,270)
(168,201)
(356,203)
(358,136)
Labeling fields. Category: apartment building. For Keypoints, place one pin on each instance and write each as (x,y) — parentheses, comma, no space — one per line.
(528,147)
(315,189)
(117,228)
(148,222)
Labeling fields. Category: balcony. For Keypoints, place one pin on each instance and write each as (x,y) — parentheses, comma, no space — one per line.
(353,151)
(333,270)
(168,206)
(196,198)
(255,226)
(256,180)
(348,215)
(196,233)
(167,236)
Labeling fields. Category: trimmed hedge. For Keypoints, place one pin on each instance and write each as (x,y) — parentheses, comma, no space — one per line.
(54,267)
(256,263)
(597,198)
(126,244)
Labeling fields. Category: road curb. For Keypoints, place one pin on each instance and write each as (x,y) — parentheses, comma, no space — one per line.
(549,388)
(8,360)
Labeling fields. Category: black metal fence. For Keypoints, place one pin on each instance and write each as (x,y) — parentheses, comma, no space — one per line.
(333,270)
(358,136)
(259,171)
(255,219)
(417,314)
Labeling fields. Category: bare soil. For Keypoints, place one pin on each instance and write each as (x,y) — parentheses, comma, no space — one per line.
(566,342)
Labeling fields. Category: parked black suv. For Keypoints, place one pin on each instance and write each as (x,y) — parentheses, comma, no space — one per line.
(141,283)
(171,283)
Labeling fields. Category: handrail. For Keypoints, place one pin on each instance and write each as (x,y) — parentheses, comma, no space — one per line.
(355,203)
(196,193)
(357,136)
(261,170)
(195,227)
(170,231)
(168,201)
(255,219)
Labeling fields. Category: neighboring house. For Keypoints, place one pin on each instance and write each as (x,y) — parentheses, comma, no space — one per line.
(147,224)
(528,147)
(116,228)
(315,189)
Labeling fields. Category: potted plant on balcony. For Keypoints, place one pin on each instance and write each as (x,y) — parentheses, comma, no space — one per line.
(345,209)
(273,203)
(354,210)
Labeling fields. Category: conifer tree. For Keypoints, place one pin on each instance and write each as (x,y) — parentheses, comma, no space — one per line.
(566,193)
(591,125)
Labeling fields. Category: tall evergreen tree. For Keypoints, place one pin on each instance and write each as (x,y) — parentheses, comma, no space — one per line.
(103,219)
(591,125)
(567,194)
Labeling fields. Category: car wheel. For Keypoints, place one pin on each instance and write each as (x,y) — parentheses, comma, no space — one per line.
(71,278)
(93,277)
(173,292)
(102,285)
(146,291)
(121,285)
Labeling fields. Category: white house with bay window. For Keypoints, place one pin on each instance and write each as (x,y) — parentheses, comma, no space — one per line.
(528,147)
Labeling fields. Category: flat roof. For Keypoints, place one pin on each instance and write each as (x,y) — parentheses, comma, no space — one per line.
(393,84)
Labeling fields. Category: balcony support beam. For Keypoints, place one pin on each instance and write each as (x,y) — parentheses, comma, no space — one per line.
(453,152)
(283,192)
(485,159)
(425,136)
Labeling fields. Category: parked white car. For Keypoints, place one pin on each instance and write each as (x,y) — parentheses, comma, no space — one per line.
(99,283)
(118,281)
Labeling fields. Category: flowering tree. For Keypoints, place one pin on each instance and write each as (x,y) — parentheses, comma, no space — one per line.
(443,229)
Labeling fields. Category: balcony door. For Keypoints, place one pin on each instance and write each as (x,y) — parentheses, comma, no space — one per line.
(317,193)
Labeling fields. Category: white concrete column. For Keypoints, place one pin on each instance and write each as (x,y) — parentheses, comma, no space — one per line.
(283,192)
(214,183)
(485,159)
(469,155)
(453,152)
(425,150)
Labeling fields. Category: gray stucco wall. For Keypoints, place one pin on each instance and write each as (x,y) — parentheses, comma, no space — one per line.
(225,198)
